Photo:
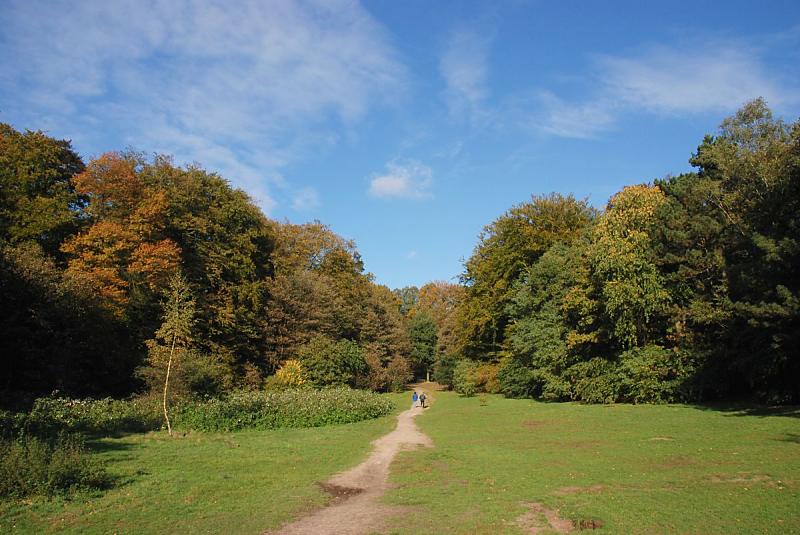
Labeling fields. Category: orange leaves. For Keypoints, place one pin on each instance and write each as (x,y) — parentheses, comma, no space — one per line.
(155,262)
(111,184)
(124,247)
(150,216)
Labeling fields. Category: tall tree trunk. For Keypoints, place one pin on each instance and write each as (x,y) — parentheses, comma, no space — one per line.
(166,384)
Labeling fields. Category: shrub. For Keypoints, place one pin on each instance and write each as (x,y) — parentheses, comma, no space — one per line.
(595,381)
(464,378)
(31,465)
(653,374)
(485,377)
(517,380)
(399,373)
(99,416)
(303,407)
(443,369)
(384,376)
(327,363)
(290,375)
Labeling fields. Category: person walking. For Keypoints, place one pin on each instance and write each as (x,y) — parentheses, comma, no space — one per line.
(422,399)
(414,399)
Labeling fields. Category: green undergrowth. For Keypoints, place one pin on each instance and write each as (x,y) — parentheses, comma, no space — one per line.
(631,468)
(303,407)
(238,482)
(43,452)
(49,466)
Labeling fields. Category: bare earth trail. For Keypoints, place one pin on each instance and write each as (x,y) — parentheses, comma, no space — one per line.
(358,508)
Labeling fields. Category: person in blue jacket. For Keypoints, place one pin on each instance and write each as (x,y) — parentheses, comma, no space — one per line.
(414,400)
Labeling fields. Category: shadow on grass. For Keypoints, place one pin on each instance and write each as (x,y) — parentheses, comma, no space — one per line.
(791,437)
(99,445)
(126,477)
(740,409)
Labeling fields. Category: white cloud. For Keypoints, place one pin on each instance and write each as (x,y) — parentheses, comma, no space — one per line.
(565,119)
(409,180)
(305,199)
(411,255)
(241,88)
(698,78)
(687,78)
(464,67)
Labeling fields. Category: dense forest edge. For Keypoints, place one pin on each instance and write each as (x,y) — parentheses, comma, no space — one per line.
(686,288)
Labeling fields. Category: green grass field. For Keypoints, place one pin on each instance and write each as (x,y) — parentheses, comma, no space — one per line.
(243,482)
(636,469)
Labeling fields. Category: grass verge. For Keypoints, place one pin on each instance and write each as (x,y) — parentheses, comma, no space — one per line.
(631,468)
(241,482)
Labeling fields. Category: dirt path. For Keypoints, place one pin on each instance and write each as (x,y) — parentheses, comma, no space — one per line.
(357,508)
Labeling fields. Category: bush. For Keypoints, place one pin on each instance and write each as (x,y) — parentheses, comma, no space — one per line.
(399,373)
(31,465)
(595,381)
(383,376)
(653,374)
(98,416)
(303,407)
(290,375)
(326,362)
(517,380)
(485,377)
(443,369)
(464,378)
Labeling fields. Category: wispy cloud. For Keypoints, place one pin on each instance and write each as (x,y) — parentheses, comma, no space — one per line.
(305,199)
(464,66)
(411,255)
(409,180)
(687,78)
(708,77)
(575,120)
(239,89)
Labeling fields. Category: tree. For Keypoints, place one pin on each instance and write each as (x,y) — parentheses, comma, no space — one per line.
(37,201)
(753,168)
(124,252)
(422,334)
(408,296)
(506,247)
(56,333)
(623,269)
(175,333)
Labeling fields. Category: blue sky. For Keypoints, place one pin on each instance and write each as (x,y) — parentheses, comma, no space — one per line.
(405,126)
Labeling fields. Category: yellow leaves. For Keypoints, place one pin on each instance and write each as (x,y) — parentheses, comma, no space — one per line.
(291,373)
(632,209)
(440,298)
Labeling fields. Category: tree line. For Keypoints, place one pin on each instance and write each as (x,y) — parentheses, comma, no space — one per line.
(684,288)
(105,264)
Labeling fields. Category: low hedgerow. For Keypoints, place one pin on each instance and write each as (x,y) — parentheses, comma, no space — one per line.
(96,416)
(31,465)
(302,407)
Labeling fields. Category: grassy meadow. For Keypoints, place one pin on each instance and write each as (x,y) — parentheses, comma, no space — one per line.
(625,468)
(238,482)
(633,468)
